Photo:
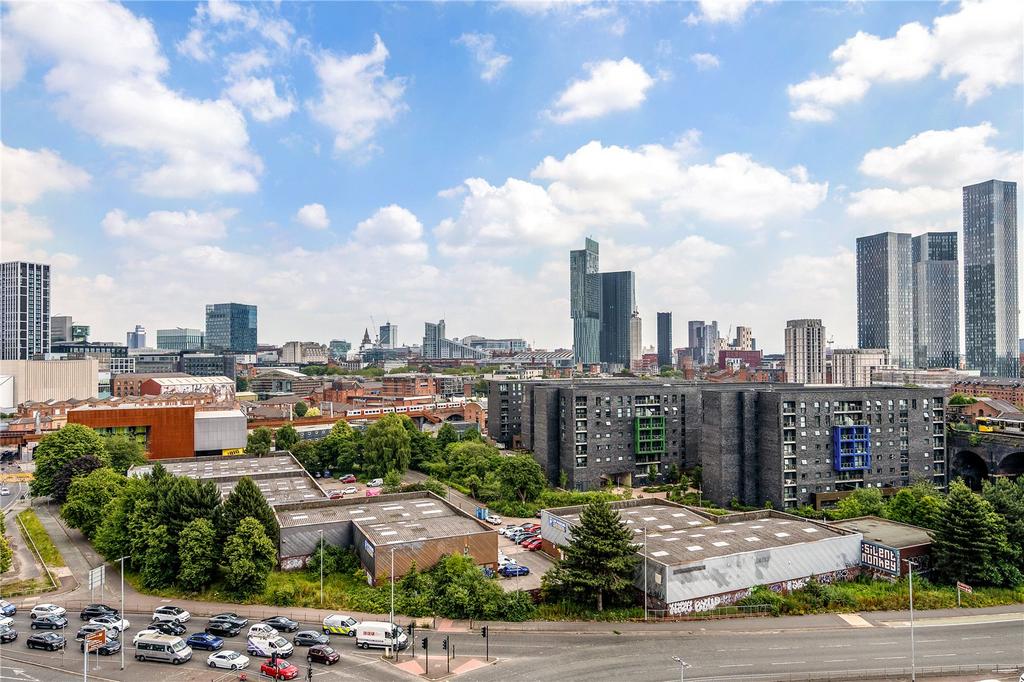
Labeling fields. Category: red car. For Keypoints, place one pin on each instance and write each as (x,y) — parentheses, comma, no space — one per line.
(348,478)
(528,539)
(533,528)
(336,495)
(533,545)
(281,670)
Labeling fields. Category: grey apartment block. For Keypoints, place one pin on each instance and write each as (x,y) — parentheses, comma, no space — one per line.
(885,296)
(936,300)
(505,411)
(665,339)
(24,310)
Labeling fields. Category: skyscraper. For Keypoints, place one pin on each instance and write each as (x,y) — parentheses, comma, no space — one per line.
(885,296)
(636,339)
(436,346)
(179,338)
(704,342)
(618,303)
(805,352)
(231,327)
(388,335)
(24,310)
(936,300)
(991,317)
(60,329)
(585,303)
(664,339)
(137,338)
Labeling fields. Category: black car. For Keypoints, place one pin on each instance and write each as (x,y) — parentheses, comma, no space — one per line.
(168,627)
(310,638)
(50,641)
(97,610)
(321,653)
(232,618)
(8,634)
(282,624)
(50,623)
(109,648)
(222,628)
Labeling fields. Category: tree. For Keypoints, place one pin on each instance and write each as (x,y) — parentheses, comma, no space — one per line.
(124,452)
(1007,499)
(340,450)
(76,468)
(392,482)
(861,502)
(520,478)
(249,556)
(970,541)
(387,446)
(286,437)
(88,496)
(158,547)
(422,447)
(446,435)
(901,506)
(186,499)
(322,554)
(961,399)
(246,501)
(259,441)
(56,449)
(197,555)
(113,538)
(301,408)
(599,562)
(6,555)
(472,434)
(241,384)
(309,454)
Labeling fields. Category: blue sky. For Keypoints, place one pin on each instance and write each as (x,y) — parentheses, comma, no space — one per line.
(341,162)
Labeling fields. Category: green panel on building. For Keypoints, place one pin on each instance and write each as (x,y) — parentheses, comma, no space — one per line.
(649,435)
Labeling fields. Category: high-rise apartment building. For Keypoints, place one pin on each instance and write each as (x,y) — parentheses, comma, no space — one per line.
(744,339)
(618,303)
(853,366)
(664,339)
(585,303)
(60,328)
(231,327)
(388,335)
(991,319)
(936,293)
(180,338)
(137,338)
(436,346)
(636,339)
(805,352)
(885,296)
(704,342)
(24,310)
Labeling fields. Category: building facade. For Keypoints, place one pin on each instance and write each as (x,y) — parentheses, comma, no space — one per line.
(136,338)
(585,303)
(854,366)
(618,303)
(281,381)
(42,380)
(338,349)
(936,300)
(437,347)
(885,296)
(304,353)
(180,338)
(505,412)
(208,364)
(1008,389)
(704,342)
(805,352)
(24,310)
(664,339)
(60,328)
(231,327)
(388,335)
(991,308)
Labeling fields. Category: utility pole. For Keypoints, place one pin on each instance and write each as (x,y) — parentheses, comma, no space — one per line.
(122,604)
(321,567)
(645,573)
(393,592)
(913,657)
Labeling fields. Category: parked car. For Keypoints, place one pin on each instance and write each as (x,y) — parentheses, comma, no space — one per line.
(487,571)
(310,638)
(222,628)
(279,670)
(513,570)
(46,610)
(229,660)
(6,621)
(375,483)
(90,628)
(281,624)
(337,624)
(5,491)
(232,618)
(142,634)
(169,627)
(97,610)
(108,648)
(49,623)
(50,641)
(321,653)
(527,538)
(171,613)
(115,622)
(351,490)
(348,478)
(533,545)
(8,634)
(508,530)
(335,495)
(494,520)
(7,608)
(204,640)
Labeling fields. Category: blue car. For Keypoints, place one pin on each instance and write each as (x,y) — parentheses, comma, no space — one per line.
(513,570)
(201,640)
(7,608)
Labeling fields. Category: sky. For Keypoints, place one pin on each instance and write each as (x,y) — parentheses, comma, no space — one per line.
(345,164)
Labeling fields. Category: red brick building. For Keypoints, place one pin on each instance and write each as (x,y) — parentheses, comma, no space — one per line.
(1001,388)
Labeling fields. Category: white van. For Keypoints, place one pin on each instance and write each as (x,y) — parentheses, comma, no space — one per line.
(268,646)
(160,647)
(380,635)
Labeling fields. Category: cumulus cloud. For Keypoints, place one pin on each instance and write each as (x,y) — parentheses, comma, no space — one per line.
(482,46)
(22,236)
(704,61)
(222,20)
(980,45)
(168,228)
(106,79)
(259,97)
(28,174)
(720,11)
(356,95)
(610,86)
(392,230)
(313,216)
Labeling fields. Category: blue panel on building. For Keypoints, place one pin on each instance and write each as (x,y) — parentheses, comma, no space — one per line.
(851,447)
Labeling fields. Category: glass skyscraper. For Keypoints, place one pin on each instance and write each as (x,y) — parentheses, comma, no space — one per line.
(231,327)
(585,303)
(991,319)
(618,303)
(885,296)
(665,339)
(936,300)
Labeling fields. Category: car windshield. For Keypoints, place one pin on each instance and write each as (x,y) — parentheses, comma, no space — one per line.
(279,641)
(327,650)
(178,646)
(231,655)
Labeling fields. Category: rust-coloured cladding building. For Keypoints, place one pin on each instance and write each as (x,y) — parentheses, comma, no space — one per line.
(166,432)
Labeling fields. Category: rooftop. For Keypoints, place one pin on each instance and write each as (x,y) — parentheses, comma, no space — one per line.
(886,532)
(208,468)
(191,380)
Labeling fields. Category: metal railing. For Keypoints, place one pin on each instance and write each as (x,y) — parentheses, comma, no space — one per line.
(865,674)
(35,550)
(746,611)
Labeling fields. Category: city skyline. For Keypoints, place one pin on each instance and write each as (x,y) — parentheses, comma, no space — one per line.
(745,209)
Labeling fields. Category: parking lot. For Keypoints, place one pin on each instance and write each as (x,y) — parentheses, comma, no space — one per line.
(538,562)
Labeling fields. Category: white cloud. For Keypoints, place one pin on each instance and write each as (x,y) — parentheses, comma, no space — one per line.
(816,286)
(392,230)
(194,46)
(356,96)
(259,97)
(171,229)
(720,11)
(605,13)
(28,174)
(490,61)
(704,61)
(923,203)
(980,44)
(222,20)
(20,236)
(106,81)
(313,216)
(610,86)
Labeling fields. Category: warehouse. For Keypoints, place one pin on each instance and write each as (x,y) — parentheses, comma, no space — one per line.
(404,528)
(888,545)
(696,561)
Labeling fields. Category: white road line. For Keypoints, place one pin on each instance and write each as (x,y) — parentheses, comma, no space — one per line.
(780,648)
(889,658)
(881,643)
(936,655)
(834,646)
(929,641)
(838,660)
(790,663)
(736,665)
(982,637)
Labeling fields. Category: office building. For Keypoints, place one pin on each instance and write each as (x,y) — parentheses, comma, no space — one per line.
(855,366)
(805,352)
(636,335)
(136,338)
(304,353)
(585,303)
(885,296)
(60,328)
(180,338)
(437,347)
(338,349)
(110,354)
(24,310)
(664,339)
(704,342)
(618,303)
(991,319)
(231,327)
(208,364)
(388,335)
(936,300)
(496,346)
(80,333)
(281,381)
(148,360)
(744,339)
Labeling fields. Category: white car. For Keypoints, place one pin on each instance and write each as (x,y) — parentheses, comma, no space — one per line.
(375,483)
(351,490)
(505,561)
(494,520)
(5,491)
(47,610)
(232,660)
(262,631)
(144,633)
(171,613)
(6,621)
(112,622)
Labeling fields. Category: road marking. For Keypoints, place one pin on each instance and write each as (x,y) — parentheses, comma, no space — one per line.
(780,648)
(981,637)
(855,620)
(889,658)
(736,665)
(835,646)
(730,650)
(790,663)
(838,660)
(929,641)
(881,643)
(936,655)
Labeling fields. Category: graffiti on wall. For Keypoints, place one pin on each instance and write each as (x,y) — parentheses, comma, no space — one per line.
(728,598)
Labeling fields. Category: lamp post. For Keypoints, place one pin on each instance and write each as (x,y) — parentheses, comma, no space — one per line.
(393,590)
(645,573)
(913,657)
(122,607)
(683,665)
(321,567)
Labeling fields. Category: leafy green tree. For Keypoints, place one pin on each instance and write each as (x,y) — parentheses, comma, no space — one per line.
(197,554)
(124,452)
(970,541)
(422,447)
(246,501)
(392,482)
(300,408)
(472,434)
(446,435)
(6,555)
(259,441)
(520,478)
(599,562)
(387,446)
(76,468)
(186,499)
(961,399)
(159,563)
(56,450)
(113,537)
(901,506)
(341,449)
(286,437)
(88,496)
(461,590)
(1007,499)
(322,554)
(249,557)
(241,384)
(861,502)
(309,454)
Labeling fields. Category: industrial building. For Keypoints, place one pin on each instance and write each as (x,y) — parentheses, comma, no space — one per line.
(221,387)
(888,545)
(22,381)
(695,561)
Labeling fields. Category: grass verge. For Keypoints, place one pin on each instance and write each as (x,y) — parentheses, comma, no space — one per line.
(48,551)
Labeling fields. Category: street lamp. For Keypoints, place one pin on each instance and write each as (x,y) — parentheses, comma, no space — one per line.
(913,657)
(645,573)
(683,665)
(122,607)
(393,590)
(321,567)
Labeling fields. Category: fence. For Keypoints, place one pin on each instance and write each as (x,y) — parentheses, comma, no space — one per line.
(35,550)
(753,610)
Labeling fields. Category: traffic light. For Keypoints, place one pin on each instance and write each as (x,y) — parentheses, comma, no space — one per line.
(423,644)
(483,632)
(444,643)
